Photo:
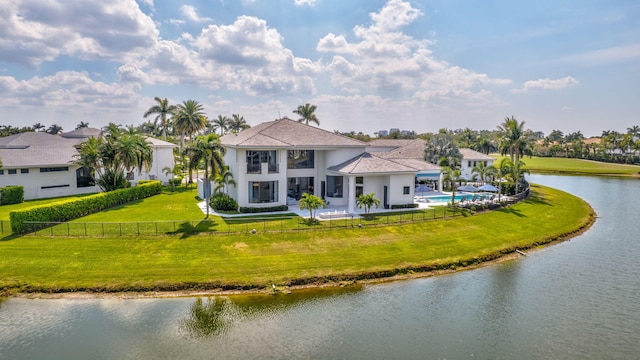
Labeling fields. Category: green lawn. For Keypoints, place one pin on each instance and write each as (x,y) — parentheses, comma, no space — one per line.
(578,166)
(38,263)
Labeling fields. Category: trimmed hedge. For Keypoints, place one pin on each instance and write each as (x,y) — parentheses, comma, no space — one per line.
(253,210)
(69,209)
(11,195)
(404,206)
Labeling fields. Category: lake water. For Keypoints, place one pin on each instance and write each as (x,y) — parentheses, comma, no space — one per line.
(579,299)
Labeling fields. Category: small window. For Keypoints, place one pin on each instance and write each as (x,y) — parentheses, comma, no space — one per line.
(24,171)
(469,163)
(13,171)
(54,186)
(406,190)
(1,172)
(52,169)
(359,180)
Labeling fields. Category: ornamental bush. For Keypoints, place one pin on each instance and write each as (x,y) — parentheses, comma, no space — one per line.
(11,195)
(69,209)
(223,202)
(253,210)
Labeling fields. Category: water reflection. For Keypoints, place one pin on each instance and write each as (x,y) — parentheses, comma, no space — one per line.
(216,315)
(208,318)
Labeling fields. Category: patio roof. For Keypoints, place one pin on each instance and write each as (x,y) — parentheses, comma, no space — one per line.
(370,163)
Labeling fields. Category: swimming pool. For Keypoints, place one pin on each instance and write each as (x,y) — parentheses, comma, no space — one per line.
(447,198)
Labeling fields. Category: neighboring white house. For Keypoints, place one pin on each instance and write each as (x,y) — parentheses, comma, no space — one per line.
(275,162)
(471,159)
(43,163)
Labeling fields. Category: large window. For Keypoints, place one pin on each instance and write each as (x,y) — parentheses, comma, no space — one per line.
(84,178)
(256,158)
(300,159)
(263,191)
(334,186)
(299,185)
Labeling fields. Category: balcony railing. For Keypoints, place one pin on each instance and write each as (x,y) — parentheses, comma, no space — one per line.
(274,168)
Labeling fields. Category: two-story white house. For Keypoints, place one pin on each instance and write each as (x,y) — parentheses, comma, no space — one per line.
(44,164)
(471,159)
(275,162)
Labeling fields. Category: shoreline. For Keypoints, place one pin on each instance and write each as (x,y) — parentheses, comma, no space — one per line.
(343,280)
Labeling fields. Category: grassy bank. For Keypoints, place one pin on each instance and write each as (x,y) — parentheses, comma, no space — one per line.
(579,167)
(44,264)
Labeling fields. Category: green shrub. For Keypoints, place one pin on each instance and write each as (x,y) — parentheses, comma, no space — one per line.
(177,181)
(11,195)
(253,210)
(223,202)
(404,206)
(69,209)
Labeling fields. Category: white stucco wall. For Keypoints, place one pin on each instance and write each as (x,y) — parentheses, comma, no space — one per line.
(34,181)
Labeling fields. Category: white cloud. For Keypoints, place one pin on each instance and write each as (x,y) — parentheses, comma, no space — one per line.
(547,84)
(33,31)
(304,2)
(191,13)
(385,60)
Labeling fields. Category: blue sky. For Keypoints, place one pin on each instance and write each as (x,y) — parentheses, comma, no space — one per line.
(367,65)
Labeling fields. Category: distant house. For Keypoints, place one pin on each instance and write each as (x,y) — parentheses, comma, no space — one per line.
(43,163)
(471,159)
(275,162)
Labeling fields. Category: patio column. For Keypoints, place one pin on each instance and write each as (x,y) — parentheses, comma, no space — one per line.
(351,208)
(440,182)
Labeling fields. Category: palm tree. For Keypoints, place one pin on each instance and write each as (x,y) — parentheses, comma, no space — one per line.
(189,118)
(224,179)
(514,140)
(483,171)
(366,201)
(222,123)
(634,131)
(113,153)
(307,114)
(312,203)
(173,171)
(162,109)
(38,127)
(439,146)
(54,129)
(451,171)
(82,125)
(208,151)
(503,170)
(238,123)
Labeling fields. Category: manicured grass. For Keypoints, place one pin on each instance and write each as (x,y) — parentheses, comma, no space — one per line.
(578,166)
(177,262)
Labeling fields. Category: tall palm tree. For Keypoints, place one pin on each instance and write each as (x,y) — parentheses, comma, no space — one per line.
(514,139)
(502,171)
(162,109)
(238,123)
(452,174)
(307,114)
(484,172)
(207,150)
(189,118)
(82,125)
(221,122)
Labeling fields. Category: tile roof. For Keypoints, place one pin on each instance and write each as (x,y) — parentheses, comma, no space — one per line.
(33,149)
(371,163)
(468,154)
(288,133)
(40,149)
